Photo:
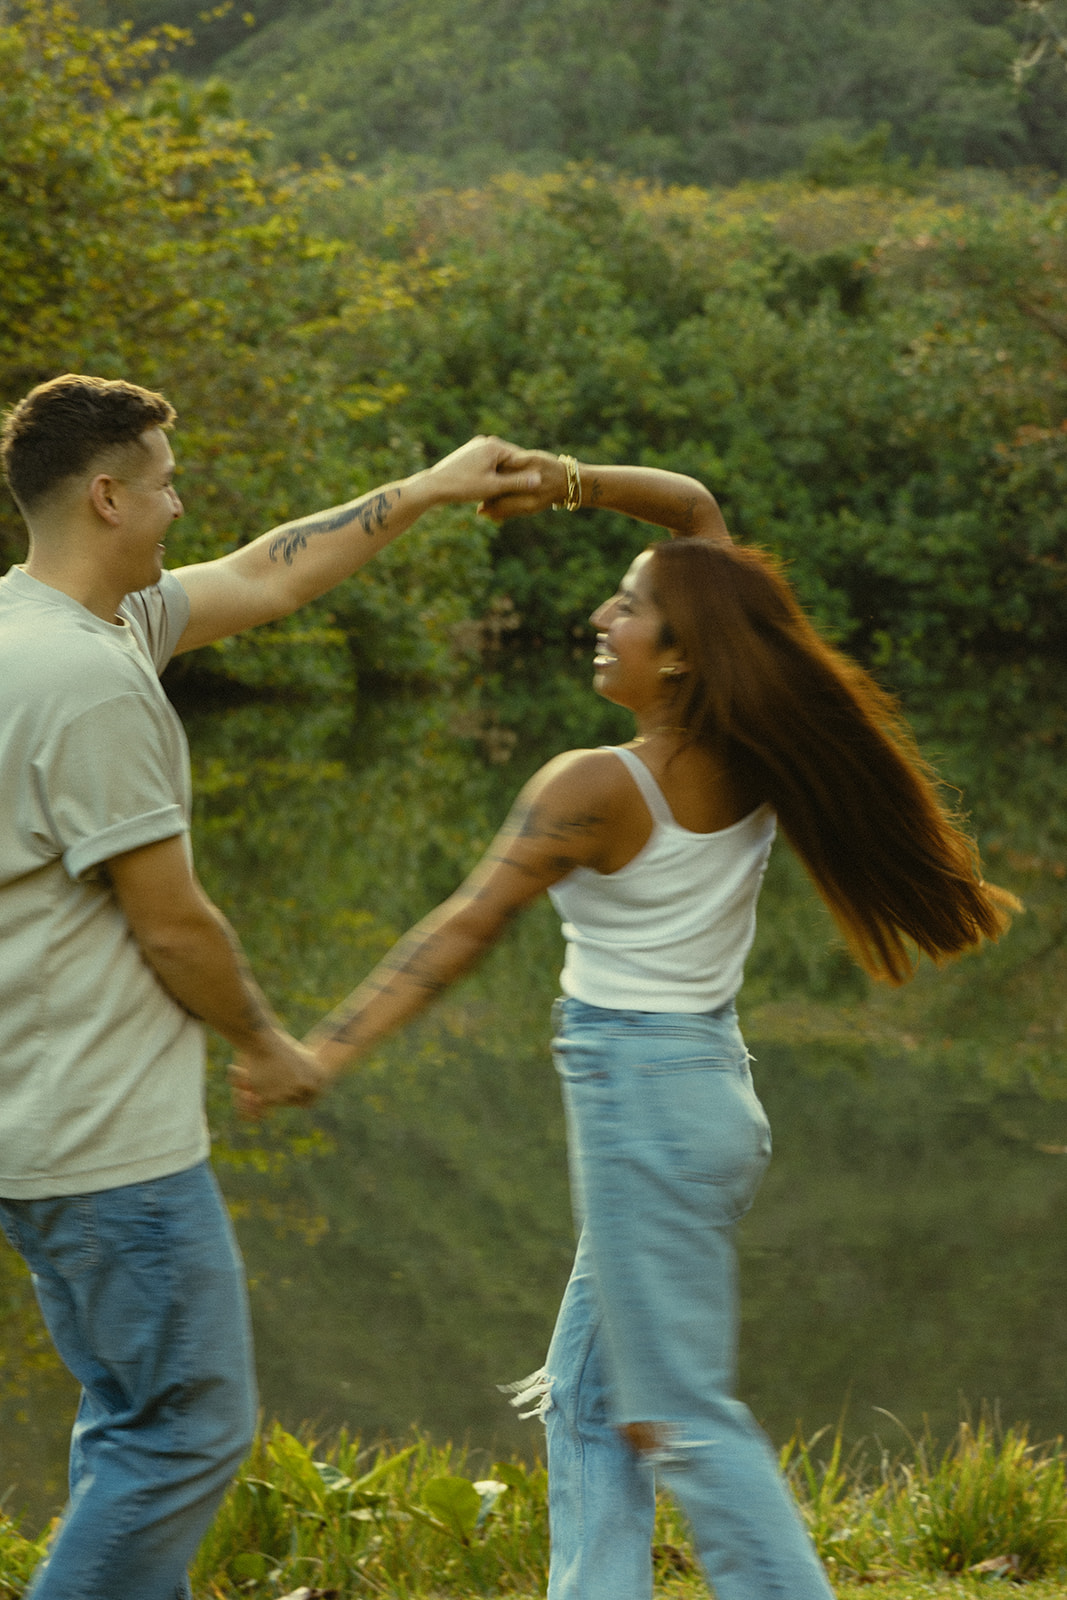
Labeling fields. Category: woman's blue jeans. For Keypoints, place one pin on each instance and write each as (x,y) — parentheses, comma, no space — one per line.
(668,1144)
(143,1291)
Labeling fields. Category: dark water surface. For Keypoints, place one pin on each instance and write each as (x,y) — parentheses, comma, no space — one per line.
(407,1242)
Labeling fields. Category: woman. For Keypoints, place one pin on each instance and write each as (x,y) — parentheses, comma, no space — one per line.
(653,853)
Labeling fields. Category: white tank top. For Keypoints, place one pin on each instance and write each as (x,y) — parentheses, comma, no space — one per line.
(670,931)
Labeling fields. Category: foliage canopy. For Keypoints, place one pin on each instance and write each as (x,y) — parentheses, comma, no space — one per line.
(143,236)
(697,91)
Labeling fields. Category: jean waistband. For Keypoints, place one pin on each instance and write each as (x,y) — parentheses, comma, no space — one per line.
(575,1013)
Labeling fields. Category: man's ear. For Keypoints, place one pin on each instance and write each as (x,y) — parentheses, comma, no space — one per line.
(102,496)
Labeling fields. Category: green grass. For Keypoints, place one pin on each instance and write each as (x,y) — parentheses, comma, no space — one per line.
(425,1522)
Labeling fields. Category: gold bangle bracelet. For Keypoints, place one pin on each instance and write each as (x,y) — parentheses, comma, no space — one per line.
(574,487)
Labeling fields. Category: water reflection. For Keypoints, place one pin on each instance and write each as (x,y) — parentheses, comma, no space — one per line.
(407,1243)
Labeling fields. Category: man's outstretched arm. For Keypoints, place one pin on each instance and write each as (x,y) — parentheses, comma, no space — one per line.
(283,569)
(196,956)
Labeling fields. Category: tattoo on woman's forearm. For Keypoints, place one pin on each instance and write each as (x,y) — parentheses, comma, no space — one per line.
(415,967)
(506,914)
(684,520)
(343,1025)
(370,512)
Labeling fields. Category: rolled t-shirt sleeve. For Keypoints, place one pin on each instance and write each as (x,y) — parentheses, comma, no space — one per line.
(103,784)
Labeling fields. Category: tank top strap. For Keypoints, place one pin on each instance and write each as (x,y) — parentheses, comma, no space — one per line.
(650,790)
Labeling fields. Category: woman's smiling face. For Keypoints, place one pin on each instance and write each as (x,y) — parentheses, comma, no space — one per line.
(629,646)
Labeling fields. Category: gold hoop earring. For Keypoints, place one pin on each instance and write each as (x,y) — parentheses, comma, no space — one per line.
(671,672)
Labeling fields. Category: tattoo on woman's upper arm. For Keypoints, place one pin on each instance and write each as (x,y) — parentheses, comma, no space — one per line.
(538,824)
(522,867)
(370,512)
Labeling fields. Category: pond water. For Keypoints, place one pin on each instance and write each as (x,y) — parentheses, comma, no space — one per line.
(407,1241)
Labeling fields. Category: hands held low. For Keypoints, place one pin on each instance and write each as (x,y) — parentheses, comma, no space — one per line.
(276,1071)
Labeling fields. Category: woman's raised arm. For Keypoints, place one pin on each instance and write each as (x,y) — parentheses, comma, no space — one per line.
(668,500)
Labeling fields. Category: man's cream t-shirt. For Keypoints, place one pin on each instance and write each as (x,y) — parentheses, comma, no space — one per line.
(101,1071)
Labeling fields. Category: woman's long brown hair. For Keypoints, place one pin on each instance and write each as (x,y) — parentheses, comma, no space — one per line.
(830,751)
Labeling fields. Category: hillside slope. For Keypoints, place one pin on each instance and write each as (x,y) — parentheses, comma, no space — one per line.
(706,91)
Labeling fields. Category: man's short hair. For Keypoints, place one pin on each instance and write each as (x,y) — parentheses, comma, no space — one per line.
(62,426)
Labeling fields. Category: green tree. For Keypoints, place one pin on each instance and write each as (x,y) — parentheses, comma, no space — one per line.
(1047,36)
(142,235)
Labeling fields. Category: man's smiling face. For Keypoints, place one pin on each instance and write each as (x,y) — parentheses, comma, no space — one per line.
(144,493)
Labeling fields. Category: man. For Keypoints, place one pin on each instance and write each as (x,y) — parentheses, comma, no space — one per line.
(112,957)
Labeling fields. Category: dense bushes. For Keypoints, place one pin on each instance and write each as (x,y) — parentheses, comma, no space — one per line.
(872,380)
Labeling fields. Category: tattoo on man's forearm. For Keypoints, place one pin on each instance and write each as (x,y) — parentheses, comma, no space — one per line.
(370,512)
(373,514)
(255,1013)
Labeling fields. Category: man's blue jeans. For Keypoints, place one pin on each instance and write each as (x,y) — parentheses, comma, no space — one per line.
(143,1291)
(668,1144)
